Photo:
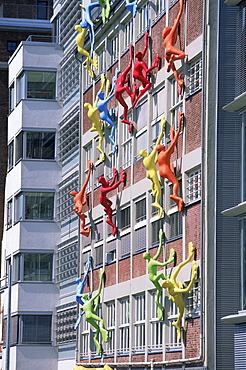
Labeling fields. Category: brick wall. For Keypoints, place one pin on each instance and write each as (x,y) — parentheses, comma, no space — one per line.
(138,265)
(194,23)
(124,270)
(193,122)
(192,337)
(193,227)
(110,271)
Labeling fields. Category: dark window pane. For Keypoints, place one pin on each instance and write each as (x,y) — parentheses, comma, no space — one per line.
(39,206)
(42,7)
(10,155)
(19,147)
(40,145)
(41,85)
(38,266)
(36,328)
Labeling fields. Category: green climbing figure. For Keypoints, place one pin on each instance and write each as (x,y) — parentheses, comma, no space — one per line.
(152,270)
(105,5)
(89,307)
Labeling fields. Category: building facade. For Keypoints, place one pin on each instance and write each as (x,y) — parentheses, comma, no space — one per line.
(50,142)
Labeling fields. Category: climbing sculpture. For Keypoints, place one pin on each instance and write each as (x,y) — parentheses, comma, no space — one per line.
(80,201)
(141,70)
(175,289)
(105,188)
(154,277)
(171,52)
(149,162)
(165,168)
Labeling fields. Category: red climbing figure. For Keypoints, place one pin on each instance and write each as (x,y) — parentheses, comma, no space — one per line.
(141,70)
(80,201)
(120,88)
(172,53)
(106,187)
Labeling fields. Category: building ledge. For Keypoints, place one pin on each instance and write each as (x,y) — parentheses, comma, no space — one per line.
(237,104)
(239,318)
(25,24)
(235,211)
(232,2)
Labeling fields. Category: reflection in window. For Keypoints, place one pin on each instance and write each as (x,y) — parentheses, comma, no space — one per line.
(34,206)
(42,7)
(34,266)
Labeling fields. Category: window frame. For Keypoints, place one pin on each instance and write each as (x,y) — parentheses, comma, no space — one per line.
(20,263)
(124,326)
(139,323)
(193,185)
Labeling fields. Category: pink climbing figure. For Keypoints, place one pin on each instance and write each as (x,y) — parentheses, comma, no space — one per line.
(120,88)
(141,70)
(106,187)
(80,201)
(165,168)
(172,53)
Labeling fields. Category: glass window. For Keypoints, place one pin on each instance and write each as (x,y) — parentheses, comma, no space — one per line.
(125,217)
(40,145)
(140,210)
(41,85)
(144,17)
(125,245)
(160,6)
(101,61)
(11,98)
(139,324)
(9,213)
(39,206)
(110,345)
(66,318)
(19,147)
(21,86)
(193,185)
(128,34)
(42,7)
(156,333)
(38,266)
(36,328)
(114,55)
(142,144)
(126,158)
(174,341)
(10,155)
(124,325)
(67,260)
(11,46)
(195,77)
(175,226)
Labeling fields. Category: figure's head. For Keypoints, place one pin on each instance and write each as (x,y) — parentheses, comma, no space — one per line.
(87,105)
(139,55)
(102,181)
(166,32)
(73,193)
(160,148)
(78,280)
(146,256)
(143,153)
(78,28)
(101,95)
(166,283)
(84,24)
(85,297)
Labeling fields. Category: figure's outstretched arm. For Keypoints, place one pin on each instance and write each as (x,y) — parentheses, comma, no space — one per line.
(188,259)
(173,138)
(191,283)
(177,20)
(146,43)
(158,141)
(124,73)
(103,79)
(114,177)
(86,181)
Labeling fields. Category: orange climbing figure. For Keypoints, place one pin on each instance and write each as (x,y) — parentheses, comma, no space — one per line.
(163,159)
(149,163)
(141,70)
(106,187)
(176,289)
(171,52)
(152,270)
(80,201)
(120,88)
(93,115)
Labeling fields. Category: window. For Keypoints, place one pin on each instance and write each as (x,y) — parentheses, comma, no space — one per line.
(11,98)
(243,264)
(85,334)
(35,328)
(160,6)
(65,200)
(111,250)
(11,46)
(193,185)
(99,231)
(69,17)
(69,136)
(126,158)
(125,217)
(142,144)
(155,228)
(35,145)
(195,77)
(139,325)
(140,208)
(9,213)
(66,317)
(140,239)
(34,206)
(67,260)
(69,75)
(175,225)
(114,48)
(193,300)
(174,343)
(156,328)
(142,115)
(101,61)
(21,87)
(41,85)
(110,345)
(125,245)
(144,18)
(10,155)
(128,34)
(99,255)
(176,104)
(42,7)
(124,325)
(34,266)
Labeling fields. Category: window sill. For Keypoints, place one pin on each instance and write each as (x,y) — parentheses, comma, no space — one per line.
(174,349)
(191,203)
(174,238)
